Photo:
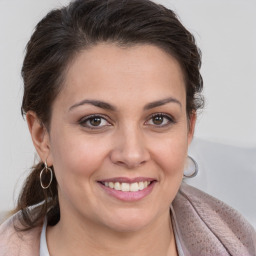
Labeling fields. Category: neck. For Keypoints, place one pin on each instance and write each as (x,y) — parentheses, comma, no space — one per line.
(154,239)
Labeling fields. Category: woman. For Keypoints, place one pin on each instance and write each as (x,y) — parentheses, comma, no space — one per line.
(111,90)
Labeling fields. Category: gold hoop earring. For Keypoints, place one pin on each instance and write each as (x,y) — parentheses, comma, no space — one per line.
(191,169)
(44,178)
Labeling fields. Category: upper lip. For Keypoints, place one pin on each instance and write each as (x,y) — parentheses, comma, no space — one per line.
(127,180)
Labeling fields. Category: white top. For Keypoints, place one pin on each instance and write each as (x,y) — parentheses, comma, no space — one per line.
(43,244)
(45,252)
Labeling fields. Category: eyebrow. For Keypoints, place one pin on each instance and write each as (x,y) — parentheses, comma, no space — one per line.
(162,102)
(96,103)
(107,106)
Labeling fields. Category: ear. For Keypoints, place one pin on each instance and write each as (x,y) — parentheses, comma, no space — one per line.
(40,136)
(191,126)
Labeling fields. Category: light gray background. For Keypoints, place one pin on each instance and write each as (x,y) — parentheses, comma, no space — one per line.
(226,33)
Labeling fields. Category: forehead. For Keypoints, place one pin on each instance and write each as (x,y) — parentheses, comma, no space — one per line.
(109,71)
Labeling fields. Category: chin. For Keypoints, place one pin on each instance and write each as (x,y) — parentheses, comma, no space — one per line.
(129,221)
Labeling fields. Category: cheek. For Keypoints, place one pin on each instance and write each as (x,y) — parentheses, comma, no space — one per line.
(75,156)
(76,162)
(169,157)
(171,154)
(174,157)
(173,161)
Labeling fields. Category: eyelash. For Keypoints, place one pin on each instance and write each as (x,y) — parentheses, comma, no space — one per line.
(84,121)
(170,119)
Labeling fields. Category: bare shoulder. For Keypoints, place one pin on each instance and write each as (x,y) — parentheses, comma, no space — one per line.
(13,242)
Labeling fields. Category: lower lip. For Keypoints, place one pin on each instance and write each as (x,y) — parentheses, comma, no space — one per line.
(129,196)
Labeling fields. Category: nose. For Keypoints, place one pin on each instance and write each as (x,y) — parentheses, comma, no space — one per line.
(130,149)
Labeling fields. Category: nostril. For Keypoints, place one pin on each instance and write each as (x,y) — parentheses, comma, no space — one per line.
(130,164)
(129,156)
(120,163)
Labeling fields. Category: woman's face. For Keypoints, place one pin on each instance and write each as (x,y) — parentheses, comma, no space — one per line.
(119,136)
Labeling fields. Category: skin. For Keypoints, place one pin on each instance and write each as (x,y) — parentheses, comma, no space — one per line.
(127,142)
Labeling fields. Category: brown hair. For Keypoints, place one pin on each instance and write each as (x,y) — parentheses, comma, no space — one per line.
(62,34)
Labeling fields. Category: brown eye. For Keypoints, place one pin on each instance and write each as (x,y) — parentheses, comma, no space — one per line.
(95,121)
(158,120)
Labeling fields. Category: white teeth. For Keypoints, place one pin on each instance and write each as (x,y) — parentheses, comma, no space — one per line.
(117,186)
(141,185)
(126,187)
(111,184)
(134,187)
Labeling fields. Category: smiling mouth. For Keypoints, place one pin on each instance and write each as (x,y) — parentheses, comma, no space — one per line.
(127,187)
